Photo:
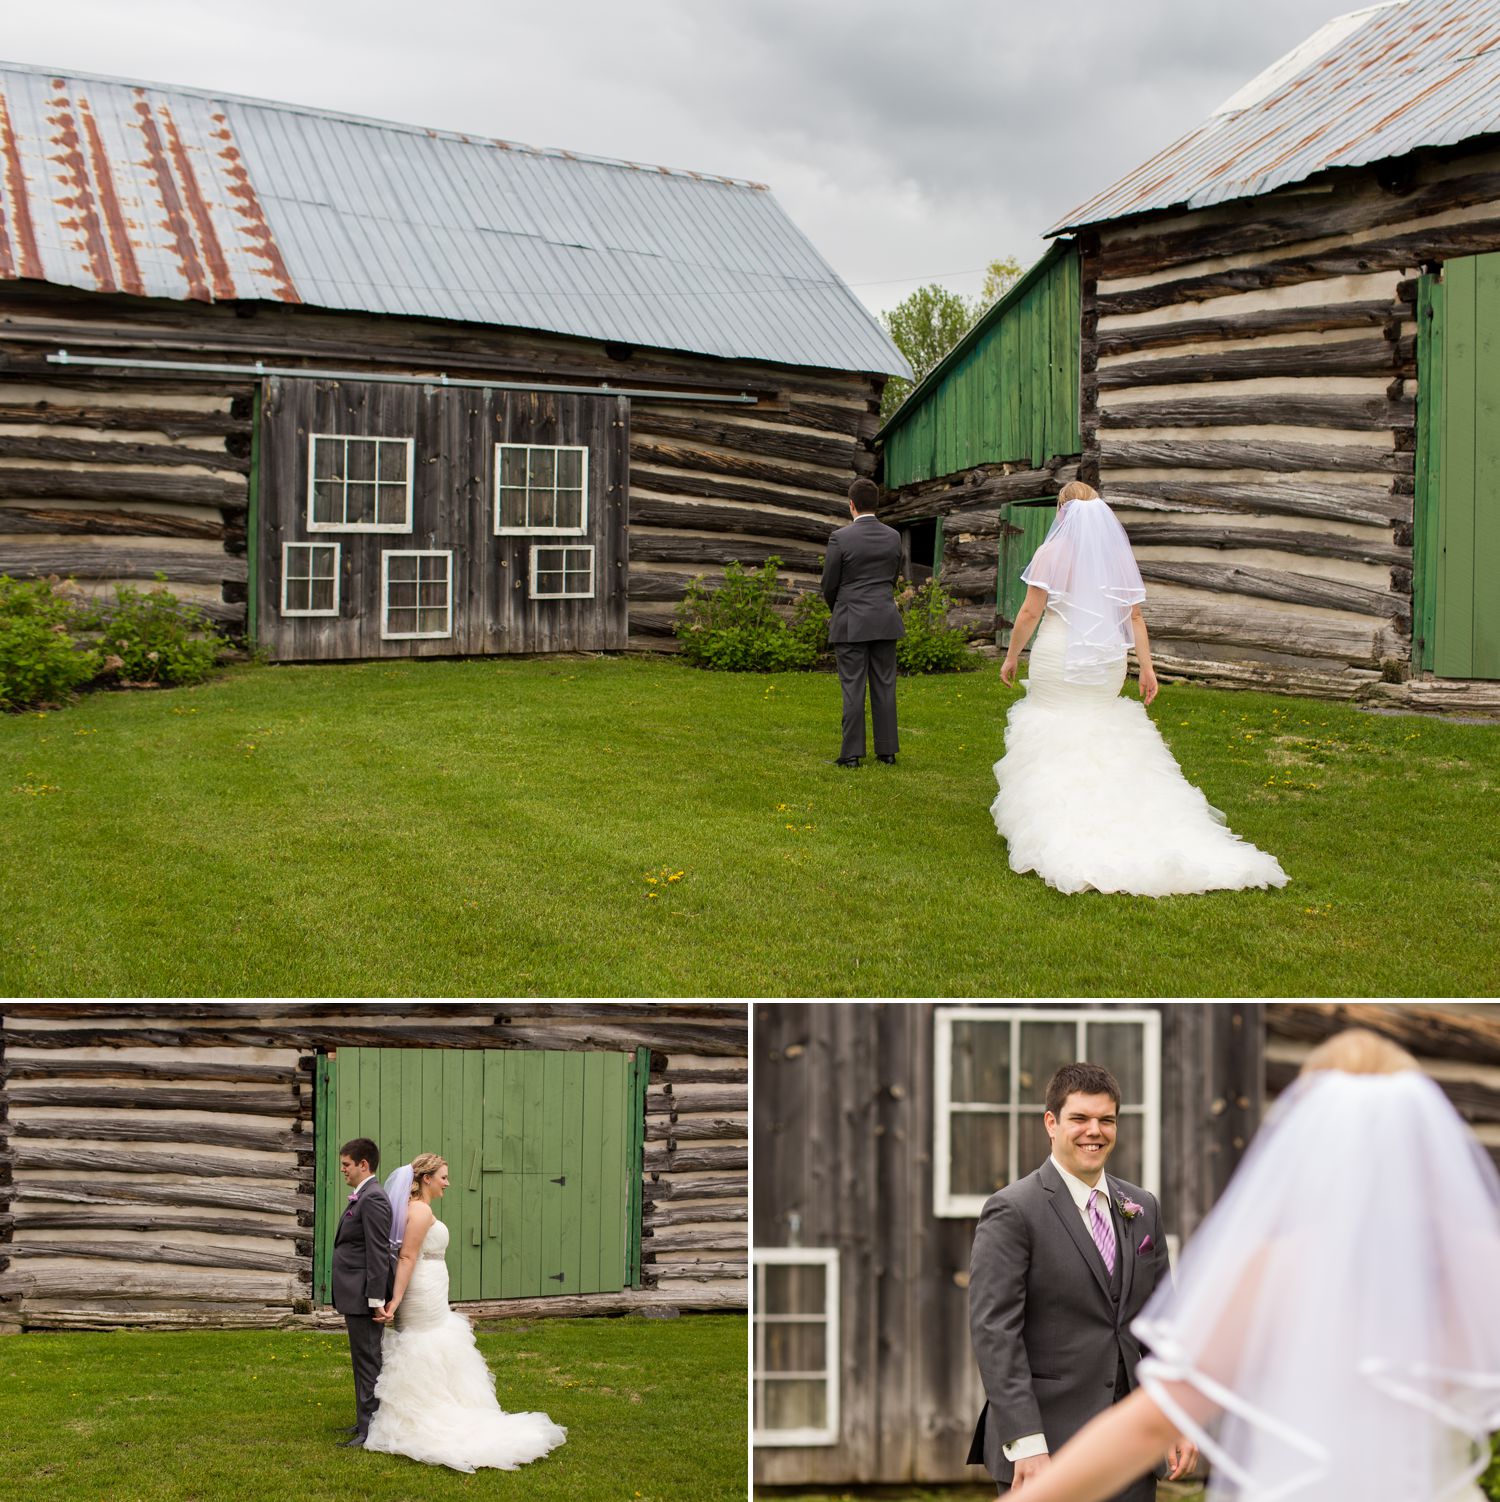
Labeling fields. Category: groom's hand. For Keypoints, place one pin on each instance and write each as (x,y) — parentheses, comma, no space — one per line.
(1182,1457)
(1029,1470)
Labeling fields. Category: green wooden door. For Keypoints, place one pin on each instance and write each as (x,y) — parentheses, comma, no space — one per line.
(544,1153)
(1023,525)
(1456,537)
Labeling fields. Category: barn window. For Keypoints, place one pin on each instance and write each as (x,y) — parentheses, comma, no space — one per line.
(359,484)
(417,594)
(310,578)
(562,573)
(541,488)
(991,1068)
(795,1323)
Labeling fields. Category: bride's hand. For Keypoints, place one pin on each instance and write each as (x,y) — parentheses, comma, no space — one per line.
(1148,685)
(1008,671)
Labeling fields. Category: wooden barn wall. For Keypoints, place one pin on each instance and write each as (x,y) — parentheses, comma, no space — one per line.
(1249,384)
(1457,1044)
(157,1160)
(112,476)
(843,1126)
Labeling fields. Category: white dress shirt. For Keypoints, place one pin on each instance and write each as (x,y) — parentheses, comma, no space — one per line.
(1036,1444)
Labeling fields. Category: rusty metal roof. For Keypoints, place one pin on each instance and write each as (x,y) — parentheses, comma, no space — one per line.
(160,191)
(1374,84)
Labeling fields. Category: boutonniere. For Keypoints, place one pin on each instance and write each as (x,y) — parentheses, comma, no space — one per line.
(1128,1208)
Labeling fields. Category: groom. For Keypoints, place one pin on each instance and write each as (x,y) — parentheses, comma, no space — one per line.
(859,578)
(362,1273)
(1063,1261)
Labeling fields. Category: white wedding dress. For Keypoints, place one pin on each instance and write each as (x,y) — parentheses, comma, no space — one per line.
(437,1396)
(1091,799)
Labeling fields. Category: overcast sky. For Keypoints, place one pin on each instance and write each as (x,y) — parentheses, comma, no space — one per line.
(911,141)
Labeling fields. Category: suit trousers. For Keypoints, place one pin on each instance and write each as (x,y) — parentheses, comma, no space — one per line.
(365,1338)
(874,662)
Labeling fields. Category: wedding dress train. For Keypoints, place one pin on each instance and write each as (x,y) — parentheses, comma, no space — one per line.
(437,1396)
(1091,798)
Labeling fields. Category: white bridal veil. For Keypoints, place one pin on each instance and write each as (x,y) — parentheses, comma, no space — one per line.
(1335,1327)
(1091,578)
(398,1192)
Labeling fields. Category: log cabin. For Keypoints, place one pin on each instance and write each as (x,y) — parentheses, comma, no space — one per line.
(1283,381)
(362,389)
(175,1165)
(880,1130)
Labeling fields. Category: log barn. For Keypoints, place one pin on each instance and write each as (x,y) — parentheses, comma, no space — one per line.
(171,1165)
(363,389)
(879,1131)
(1285,376)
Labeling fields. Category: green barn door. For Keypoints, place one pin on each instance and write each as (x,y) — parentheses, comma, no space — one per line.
(544,1153)
(1456,540)
(1023,525)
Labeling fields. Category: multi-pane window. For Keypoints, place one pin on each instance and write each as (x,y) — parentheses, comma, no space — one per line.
(541,488)
(562,573)
(992,1066)
(310,578)
(795,1324)
(359,484)
(417,594)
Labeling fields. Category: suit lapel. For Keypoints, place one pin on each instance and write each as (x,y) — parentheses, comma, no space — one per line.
(1124,1245)
(1067,1212)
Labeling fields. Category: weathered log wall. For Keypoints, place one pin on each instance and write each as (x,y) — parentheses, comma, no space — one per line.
(157,1162)
(1249,374)
(113,476)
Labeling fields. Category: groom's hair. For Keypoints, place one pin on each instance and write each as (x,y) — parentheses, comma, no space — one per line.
(1081,1079)
(361,1150)
(864,494)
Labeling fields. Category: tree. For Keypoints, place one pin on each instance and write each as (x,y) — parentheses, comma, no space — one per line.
(924,327)
(999,278)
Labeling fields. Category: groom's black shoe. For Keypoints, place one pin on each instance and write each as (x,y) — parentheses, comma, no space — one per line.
(847,761)
(889,761)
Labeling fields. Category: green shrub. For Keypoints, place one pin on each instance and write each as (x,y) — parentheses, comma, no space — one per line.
(150,636)
(1490,1482)
(41,662)
(931,645)
(735,627)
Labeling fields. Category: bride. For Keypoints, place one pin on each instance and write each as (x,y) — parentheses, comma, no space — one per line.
(1334,1331)
(1090,798)
(436,1395)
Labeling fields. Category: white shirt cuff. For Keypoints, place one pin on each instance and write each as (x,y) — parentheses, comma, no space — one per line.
(377,1303)
(1025,1448)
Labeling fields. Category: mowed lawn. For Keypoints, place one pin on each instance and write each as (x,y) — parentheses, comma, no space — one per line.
(489,828)
(654,1409)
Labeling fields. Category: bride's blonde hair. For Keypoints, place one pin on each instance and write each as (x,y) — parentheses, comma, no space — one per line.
(1076,490)
(423,1166)
(1357,1050)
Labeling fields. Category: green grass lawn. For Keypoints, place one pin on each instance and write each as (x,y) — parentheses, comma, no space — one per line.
(488,827)
(654,1409)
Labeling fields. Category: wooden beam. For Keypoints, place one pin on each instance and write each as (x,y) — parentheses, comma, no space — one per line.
(698,1129)
(263,1137)
(175,422)
(1192,532)
(699,1241)
(1476,1102)
(1267,584)
(133,1218)
(147,1069)
(275,1199)
(80,560)
(121,485)
(1218,620)
(180,1254)
(119,452)
(705,487)
(689,1214)
(1345,357)
(690,1159)
(1427,1031)
(664,1187)
(280,1103)
(1277,458)
(90,1160)
(1355,413)
(757,438)
(1261,322)
(983,485)
(108,523)
(662,511)
(42,1281)
(1369,504)
(716,552)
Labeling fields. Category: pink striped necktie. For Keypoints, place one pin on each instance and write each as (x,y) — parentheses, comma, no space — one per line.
(1103,1232)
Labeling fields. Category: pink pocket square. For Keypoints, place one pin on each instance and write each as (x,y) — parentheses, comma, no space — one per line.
(1145,1246)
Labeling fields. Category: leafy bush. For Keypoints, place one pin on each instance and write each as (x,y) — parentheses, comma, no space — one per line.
(931,645)
(41,662)
(736,627)
(1490,1482)
(150,636)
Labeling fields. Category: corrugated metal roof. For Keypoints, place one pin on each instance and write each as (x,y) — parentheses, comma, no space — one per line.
(1373,84)
(171,192)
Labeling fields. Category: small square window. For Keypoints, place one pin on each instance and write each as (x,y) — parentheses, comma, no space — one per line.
(310,578)
(565,572)
(795,1329)
(357,484)
(416,594)
(541,488)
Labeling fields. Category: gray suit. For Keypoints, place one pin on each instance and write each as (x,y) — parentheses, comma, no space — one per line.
(1050,1327)
(859,578)
(363,1270)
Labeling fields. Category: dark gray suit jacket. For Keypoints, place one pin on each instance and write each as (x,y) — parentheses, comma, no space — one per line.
(859,581)
(362,1264)
(1047,1336)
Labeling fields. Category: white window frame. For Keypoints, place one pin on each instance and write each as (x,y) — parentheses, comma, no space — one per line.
(313,439)
(386,634)
(338,565)
(563,547)
(828,1259)
(948,1205)
(529,531)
